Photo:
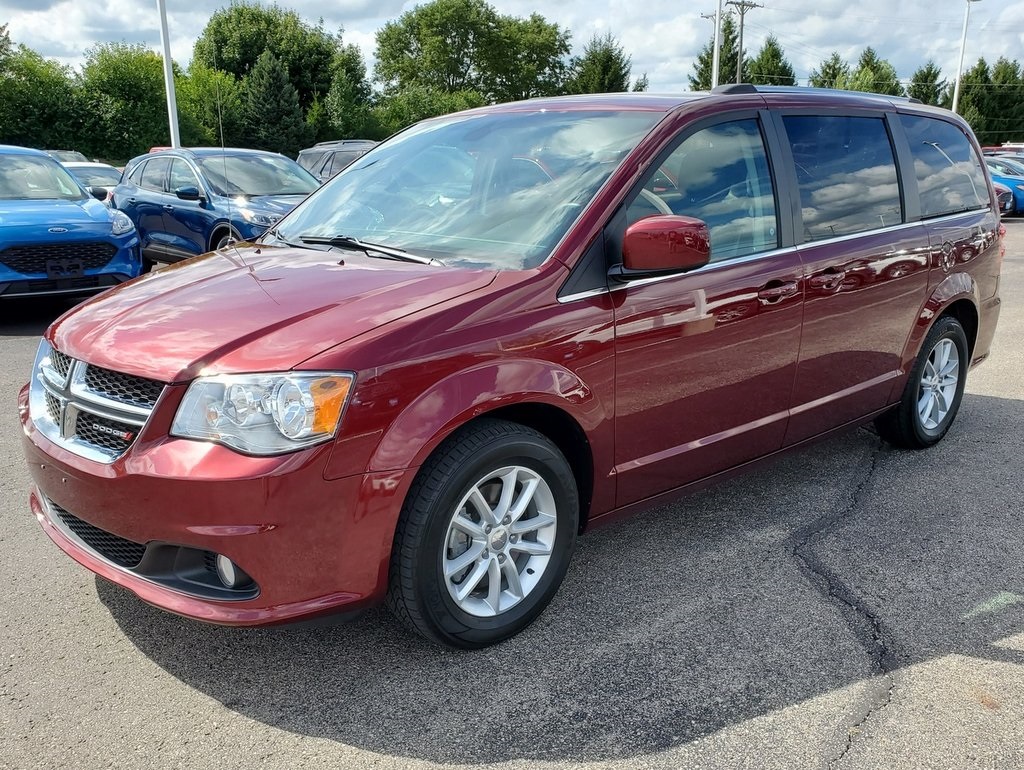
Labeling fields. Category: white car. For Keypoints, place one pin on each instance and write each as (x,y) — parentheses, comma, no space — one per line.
(98,178)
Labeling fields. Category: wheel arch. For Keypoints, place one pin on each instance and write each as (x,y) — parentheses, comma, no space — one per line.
(219,228)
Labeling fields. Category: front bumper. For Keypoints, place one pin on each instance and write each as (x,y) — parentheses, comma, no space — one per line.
(311,546)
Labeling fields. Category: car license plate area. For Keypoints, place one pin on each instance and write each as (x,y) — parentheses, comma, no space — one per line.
(64,268)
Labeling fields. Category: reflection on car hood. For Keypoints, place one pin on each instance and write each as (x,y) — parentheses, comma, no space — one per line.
(86,213)
(272,204)
(250,309)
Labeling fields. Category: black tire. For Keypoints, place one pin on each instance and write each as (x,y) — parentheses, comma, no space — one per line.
(418,592)
(903,425)
(222,238)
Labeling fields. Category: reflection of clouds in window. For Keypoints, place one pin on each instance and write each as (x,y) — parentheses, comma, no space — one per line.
(949,174)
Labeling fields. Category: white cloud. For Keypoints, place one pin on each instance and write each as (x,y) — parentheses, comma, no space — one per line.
(662,36)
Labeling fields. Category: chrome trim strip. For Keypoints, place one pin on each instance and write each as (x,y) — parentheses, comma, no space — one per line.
(78,388)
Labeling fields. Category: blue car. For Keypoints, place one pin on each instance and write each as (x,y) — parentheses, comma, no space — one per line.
(187,202)
(1008,172)
(55,238)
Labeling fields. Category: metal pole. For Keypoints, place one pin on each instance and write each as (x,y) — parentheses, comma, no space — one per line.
(743,6)
(716,58)
(963,45)
(172,105)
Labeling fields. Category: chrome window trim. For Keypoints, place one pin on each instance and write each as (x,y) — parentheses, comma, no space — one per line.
(769,254)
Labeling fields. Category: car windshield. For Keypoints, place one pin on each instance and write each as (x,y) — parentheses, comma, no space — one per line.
(254,175)
(30,177)
(67,156)
(493,190)
(97,176)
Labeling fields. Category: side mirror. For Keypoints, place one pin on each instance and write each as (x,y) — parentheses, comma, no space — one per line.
(99,193)
(188,193)
(663,244)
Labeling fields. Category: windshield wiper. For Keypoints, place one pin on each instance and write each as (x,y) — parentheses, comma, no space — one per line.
(370,249)
(272,232)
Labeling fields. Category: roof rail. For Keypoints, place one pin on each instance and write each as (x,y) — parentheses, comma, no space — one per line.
(735,88)
(750,88)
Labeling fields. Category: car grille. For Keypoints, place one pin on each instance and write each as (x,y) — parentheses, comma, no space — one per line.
(92,411)
(33,259)
(124,553)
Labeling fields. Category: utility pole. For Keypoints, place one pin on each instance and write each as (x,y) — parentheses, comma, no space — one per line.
(742,6)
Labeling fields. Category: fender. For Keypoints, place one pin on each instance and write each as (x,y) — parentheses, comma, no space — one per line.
(458,398)
(953,287)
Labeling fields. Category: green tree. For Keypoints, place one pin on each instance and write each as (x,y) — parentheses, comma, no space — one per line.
(418,102)
(271,116)
(977,103)
(833,73)
(770,66)
(527,59)
(236,36)
(126,108)
(212,100)
(700,80)
(927,84)
(874,75)
(465,45)
(440,45)
(39,104)
(346,106)
(603,68)
(1006,106)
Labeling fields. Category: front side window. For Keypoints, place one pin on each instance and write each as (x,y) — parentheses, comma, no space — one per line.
(182,175)
(949,175)
(28,177)
(719,175)
(494,190)
(846,172)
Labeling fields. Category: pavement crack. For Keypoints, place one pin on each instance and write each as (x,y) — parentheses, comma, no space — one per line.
(867,626)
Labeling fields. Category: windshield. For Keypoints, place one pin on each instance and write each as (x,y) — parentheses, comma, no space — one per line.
(1015,166)
(97,175)
(254,175)
(493,190)
(28,177)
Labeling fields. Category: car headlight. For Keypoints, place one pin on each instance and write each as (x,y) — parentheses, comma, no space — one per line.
(254,218)
(264,414)
(121,223)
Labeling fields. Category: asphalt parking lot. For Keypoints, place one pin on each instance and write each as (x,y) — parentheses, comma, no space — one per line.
(849,606)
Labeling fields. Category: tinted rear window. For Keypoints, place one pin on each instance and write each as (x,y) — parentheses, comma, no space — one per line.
(846,171)
(949,175)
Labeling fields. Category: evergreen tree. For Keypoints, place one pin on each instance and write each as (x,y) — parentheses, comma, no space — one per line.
(700,80)
(926,84)
(603,68)
(977,103)
(833,73)
(271,116)
(874,75)
(1006,106)
(770,66)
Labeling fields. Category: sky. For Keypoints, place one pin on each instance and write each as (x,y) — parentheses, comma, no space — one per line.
(663,37)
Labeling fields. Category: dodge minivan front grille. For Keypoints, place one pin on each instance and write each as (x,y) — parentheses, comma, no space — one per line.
(91,411)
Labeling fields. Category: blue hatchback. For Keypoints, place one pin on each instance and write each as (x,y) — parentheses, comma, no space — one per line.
(188,202)
(1008,172)
(54,237)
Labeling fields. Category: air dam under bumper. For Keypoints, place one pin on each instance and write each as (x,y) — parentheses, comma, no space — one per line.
(312,546)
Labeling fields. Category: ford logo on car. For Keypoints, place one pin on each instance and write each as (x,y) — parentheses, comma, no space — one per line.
(57,230)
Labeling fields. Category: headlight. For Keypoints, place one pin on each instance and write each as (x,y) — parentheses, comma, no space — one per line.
(264,220)
(121,223)
(264,414)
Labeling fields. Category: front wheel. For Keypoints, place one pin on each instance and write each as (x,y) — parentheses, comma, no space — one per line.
(934,391)
(485,535)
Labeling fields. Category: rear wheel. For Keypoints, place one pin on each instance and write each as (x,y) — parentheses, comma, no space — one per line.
(934,391)
(485,535)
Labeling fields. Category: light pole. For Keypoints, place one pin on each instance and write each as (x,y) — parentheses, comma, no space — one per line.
(172,104)
(963,44)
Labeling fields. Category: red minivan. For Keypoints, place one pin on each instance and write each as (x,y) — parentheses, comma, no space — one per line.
(497,329)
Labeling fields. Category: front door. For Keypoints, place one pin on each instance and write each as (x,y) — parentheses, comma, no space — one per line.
(705,361)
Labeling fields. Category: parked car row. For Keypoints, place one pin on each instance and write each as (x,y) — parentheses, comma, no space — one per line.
(1008,172)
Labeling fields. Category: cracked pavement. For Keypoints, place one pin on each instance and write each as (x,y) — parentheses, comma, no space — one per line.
(848,606)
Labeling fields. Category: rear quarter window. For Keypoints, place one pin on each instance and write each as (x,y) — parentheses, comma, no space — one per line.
(846,171)
(949,174)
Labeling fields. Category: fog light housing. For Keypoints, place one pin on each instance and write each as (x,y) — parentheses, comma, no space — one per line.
(230,574)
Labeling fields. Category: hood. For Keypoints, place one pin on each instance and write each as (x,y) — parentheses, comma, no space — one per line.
(87,214)
(250,309)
